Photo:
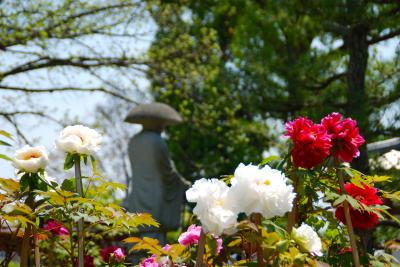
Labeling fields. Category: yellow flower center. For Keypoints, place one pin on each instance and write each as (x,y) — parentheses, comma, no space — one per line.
(32,156)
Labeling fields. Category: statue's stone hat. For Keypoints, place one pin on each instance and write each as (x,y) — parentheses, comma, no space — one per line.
(154,113)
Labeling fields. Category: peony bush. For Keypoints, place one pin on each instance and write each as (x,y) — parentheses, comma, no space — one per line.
(306,208)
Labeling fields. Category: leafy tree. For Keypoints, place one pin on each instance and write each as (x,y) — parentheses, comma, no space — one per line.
(283,59)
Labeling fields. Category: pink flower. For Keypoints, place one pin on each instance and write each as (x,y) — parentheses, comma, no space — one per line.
(88,262)
(345,136)
(119,255)
(117,252)
(219,245)
(311,141)
(167,247)
(150,262)
(191,236)
(56,228)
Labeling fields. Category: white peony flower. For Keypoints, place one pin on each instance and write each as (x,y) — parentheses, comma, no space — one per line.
(260,190)
(212,209)
(307,239)
(390,160)
(79,139)
(31,159)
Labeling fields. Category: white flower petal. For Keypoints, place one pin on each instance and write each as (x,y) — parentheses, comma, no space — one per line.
(307,239)
(31,159)
(79,139)
(260,190)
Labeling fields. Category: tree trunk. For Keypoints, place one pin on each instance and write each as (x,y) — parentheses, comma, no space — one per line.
(357,101)
(358,106)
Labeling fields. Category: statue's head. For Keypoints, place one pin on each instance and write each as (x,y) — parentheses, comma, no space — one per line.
(154,116)
(153,126)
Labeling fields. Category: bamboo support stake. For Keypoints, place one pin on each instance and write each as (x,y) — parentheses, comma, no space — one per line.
(200,249)
(79,189)
(349,224)
(26,246)
(37,251)
(292,216)
(260,254)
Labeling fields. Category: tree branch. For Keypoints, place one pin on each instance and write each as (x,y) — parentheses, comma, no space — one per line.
(384,37)
(30,34)
(80,62)
(327,82)
(16,127)
(62,89)
(35,113)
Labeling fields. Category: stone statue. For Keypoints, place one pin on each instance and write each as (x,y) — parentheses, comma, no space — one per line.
(155,185)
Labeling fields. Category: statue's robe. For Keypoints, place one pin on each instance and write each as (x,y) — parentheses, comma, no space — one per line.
(155,185)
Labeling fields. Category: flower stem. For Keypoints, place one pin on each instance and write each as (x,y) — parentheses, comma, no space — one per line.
(37,250)
(26,247)
(260,254)
(292,216)
(200,249)
(349,224)
(79,189)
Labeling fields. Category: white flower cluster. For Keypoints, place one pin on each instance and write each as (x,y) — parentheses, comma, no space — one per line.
(390,160)
(73,139)
(307,239)
(254,190)
(212,208)
(260,190)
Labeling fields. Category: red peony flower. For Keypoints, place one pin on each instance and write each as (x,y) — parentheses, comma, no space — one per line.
(345,136)
(311,142)
(88,262)
(118,253)
(56,228)
(361,219)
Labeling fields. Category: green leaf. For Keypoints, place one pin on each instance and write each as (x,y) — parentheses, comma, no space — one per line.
(94,164)
(68,185)
(85,158)
(2,156)
(391,216)
(212,245)
(268,160)
(69,161)
(249,264)
(6,134)
(353,203)
(299,260)
(3,143)
(41,185)
(282,246)
(24,181)
(339,200)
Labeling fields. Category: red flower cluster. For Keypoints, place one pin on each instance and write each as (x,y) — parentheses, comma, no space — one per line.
(56,228)
(88,261)
(367,196)
(313,142)
(345,136)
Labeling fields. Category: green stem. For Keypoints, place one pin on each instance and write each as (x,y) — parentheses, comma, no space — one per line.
(79,189)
